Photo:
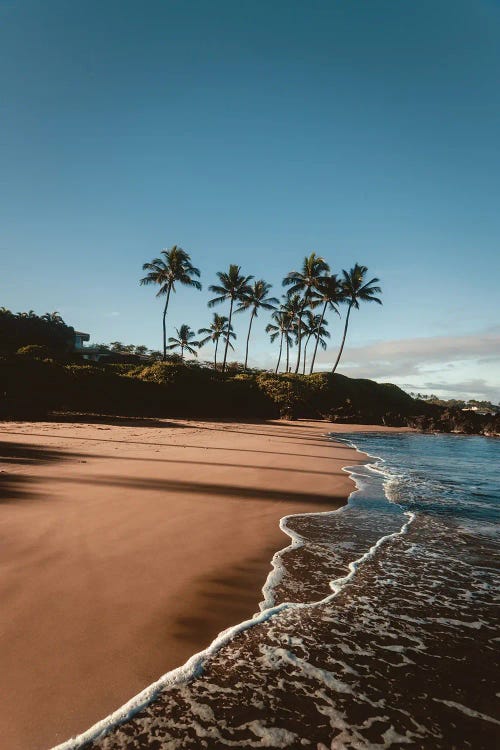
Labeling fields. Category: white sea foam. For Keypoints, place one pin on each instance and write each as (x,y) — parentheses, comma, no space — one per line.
(468,711)
(476,625)
(338,584)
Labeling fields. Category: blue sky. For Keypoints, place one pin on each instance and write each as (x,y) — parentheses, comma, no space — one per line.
(255,133)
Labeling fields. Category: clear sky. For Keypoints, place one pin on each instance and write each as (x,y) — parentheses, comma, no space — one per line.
(255,132)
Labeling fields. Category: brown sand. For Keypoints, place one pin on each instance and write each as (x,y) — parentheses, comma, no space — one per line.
(127,545)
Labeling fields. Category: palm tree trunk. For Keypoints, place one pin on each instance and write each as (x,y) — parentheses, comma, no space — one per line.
(215,355)
(287,351)
(182,353)
(227,337)
(248,336)
(343,338)
(164,325)
(305,355)
(279,355)
(317,339)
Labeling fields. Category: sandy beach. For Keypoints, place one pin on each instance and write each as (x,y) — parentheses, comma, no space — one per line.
(127,545)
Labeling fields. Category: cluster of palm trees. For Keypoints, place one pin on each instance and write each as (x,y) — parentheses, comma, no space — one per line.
(294,321)
(118,347)
(53,317)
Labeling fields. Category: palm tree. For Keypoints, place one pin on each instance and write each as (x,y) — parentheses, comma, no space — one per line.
(313,325)
(175,265)
(292,307)
(323,335)
(307,330)
(217,328)
(233,286)
(53,317)
(356,289)
(256,298)
(304,282)
(329,292)
(281,328)
(184,340)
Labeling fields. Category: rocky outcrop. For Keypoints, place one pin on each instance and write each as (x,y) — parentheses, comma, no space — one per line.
(458,421)
(428,418)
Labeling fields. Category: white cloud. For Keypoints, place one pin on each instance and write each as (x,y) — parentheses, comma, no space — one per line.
(440,363)
(466,388)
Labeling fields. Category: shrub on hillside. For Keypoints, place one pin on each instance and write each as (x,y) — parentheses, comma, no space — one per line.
(131,370)
(340,398)
(30,386)
(171,372)
(287,392)
(192,390)
(35,351)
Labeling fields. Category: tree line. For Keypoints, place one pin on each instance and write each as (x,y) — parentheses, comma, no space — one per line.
(299,318)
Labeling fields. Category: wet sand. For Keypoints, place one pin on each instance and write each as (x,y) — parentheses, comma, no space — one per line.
(127,545)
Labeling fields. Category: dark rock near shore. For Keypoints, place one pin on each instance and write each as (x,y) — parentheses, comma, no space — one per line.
(458,421)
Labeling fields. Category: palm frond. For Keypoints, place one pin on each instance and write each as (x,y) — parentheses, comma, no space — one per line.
(216,289)
(217,301)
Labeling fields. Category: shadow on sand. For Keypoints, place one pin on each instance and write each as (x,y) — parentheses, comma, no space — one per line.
(221,599)
(16,486)
(210,489)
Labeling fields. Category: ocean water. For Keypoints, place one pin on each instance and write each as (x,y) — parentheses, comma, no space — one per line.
(378,628)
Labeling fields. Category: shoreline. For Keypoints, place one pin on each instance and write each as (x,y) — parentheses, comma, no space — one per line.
(268,467)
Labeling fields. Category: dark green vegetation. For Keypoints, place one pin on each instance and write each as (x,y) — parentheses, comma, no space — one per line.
(26,329)
(314,286)
(36,388)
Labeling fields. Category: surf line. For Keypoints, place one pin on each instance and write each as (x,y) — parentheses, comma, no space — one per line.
(193,668)
(278,569)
